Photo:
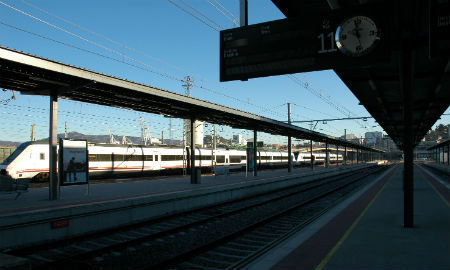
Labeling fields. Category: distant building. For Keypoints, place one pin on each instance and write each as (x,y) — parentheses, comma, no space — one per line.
(348,137)
(155,141)
(5,151)
(237,139)
(372,138)
(198,132)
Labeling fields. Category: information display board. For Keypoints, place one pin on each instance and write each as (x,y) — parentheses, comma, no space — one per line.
(303,44)
(439,28)
(73,162)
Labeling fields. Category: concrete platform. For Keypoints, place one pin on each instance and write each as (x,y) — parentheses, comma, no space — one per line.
(366,231)
(33,219)
(442,167)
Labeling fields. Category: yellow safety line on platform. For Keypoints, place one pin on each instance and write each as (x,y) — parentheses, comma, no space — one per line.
(435,190)
(349,230)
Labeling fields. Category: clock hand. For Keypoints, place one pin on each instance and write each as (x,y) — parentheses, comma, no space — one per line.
(357,33)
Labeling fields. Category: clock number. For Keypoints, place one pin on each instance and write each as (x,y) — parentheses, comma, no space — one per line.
(330,37)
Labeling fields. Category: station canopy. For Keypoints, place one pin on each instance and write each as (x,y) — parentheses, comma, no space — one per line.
(34,75)
(393,55)
(409,88)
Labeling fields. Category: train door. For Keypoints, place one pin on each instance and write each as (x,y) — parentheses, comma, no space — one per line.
(156,160)
(227,159)
(259,159)
(198,157)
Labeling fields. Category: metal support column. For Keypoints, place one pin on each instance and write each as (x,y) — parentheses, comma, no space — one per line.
(289,141)
(193,169)
(345,147)
(243,7)
(53,144)
(357,156)
(255,154)
(327,156)
(337,155)
(311,155)
(406,75)
(448,154)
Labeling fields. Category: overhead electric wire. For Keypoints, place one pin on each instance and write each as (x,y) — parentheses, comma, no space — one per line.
(120,44)
(151,68)
(196,17)
(223,13)
(203,15)
(106,48)
(139,62)
(326,98)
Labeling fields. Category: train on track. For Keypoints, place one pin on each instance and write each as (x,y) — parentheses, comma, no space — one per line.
(31,159)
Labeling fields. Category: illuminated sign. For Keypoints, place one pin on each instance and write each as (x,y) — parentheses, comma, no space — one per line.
(296,45)
(73,162)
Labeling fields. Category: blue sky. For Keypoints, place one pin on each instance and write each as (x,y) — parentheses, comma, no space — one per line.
(155,43)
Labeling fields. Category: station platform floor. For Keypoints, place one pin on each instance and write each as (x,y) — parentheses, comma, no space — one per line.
(38,198)
(366,230)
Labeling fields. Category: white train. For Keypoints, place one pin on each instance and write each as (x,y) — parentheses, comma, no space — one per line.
(30,159)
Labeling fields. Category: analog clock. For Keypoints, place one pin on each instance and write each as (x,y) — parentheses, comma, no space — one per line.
(357,36)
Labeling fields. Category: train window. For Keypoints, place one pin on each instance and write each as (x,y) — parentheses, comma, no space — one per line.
(42,156)
(118,157)
(226,160)
(103,157)
(206,157)
(149,157)
(243,158)
(235,159)
(92,157)
(156,157)
(220,159)
(171,157)
(135,158)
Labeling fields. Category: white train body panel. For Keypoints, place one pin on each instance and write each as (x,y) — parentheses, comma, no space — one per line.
(32,159)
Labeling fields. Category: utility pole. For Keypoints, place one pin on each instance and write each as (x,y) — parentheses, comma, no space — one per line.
(186,125)
(32,133)
(145,133)
(65,130)
(187,84)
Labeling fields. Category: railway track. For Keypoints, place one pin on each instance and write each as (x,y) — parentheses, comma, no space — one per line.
(225,236)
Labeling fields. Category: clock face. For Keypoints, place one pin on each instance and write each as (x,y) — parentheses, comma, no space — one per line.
(357,36)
